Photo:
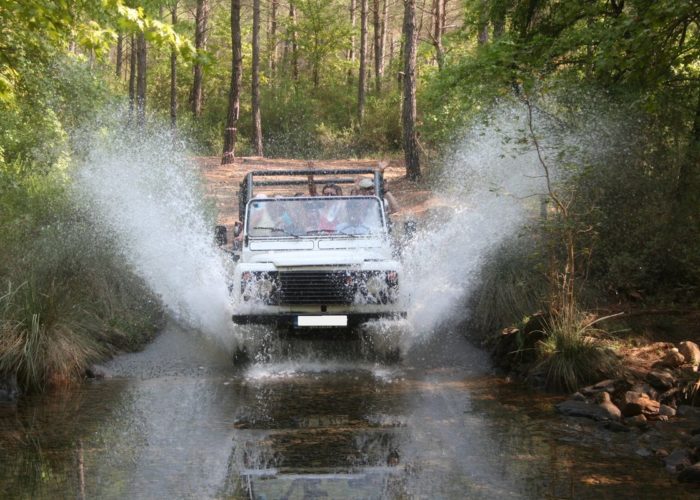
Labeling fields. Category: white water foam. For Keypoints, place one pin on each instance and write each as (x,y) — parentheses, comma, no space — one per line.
(143,190)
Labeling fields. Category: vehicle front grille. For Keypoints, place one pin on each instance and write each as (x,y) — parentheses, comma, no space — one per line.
(315,287)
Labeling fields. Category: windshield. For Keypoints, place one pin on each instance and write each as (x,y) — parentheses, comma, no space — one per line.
(300,217)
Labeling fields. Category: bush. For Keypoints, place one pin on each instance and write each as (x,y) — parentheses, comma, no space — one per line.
(67,299)
(570,356)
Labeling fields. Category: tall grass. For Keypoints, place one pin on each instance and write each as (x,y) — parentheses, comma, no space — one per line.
(66,297)
(571,354)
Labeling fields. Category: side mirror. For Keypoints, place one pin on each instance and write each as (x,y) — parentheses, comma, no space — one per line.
(220,235)
(237,229)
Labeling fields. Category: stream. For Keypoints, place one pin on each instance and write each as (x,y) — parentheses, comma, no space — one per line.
(178,420)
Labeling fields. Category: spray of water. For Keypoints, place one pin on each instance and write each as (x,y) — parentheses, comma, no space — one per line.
(144,191)
(489,184)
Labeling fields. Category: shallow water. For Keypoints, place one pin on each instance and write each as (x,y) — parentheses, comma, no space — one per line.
(180,421)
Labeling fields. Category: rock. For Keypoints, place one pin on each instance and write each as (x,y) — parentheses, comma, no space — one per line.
(571,408)
(9,390)
(634,403)
(661,379)
(673,359)
(667,411)
(657,418)
(602,386)
(690,474)
(690,351)
(643,452)
(608,406)
(639,421)
(644,388)
(678,460)
(577,396)
(661,453)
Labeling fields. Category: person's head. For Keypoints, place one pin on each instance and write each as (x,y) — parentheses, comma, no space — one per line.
(365,187)
(332,190)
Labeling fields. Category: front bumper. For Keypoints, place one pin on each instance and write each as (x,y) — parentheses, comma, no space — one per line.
(291,319)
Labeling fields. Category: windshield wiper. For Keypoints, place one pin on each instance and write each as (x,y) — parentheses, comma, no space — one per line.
(322,231)
(276,230)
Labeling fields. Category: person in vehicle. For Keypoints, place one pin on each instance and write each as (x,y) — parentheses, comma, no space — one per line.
(332,190)
(365,187)
(359,218)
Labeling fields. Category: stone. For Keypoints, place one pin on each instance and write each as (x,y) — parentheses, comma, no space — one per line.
(678,460)
(673,359)
(661,453)
(690,474)
(608,406)
(602,386)
(571,408)
(690,351)
(643,452)
(661,379)
(577,396)
(667,411)
(9,390)
(639,421)
(635,403)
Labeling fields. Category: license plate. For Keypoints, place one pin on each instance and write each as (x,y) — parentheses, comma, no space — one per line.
(329,320)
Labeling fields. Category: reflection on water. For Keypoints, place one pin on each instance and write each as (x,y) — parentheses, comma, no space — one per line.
(179,421)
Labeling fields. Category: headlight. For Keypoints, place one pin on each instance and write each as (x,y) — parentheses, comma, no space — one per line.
(376,285)
(256,286)
(264,288)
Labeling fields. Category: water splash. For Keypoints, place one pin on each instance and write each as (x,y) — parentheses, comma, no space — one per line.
(489,185)
(144,192)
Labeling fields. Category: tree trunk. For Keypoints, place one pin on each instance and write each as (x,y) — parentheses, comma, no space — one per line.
(141,64)
(378,47)
(382,37)
(120,51)
(200,43)
(295,53)
(351,52)
(234,104)
(132,74)
(272,36)
(255,78)
(173,76)
(362,80)
(408,113)
(438,20)
(482,36)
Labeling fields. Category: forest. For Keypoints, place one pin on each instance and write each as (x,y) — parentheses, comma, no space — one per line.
(320,79)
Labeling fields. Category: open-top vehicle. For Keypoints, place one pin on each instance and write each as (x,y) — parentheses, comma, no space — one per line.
(313,261)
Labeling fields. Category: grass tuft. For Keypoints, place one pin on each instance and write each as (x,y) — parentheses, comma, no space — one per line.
(570,355)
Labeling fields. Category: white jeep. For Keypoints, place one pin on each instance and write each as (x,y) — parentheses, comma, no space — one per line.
(313,261)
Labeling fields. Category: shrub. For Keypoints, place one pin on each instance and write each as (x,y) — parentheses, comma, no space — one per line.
(67,299)
(571,356)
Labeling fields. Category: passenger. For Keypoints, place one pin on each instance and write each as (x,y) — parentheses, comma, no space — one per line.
(354,221)
(365,187)
(332,190)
